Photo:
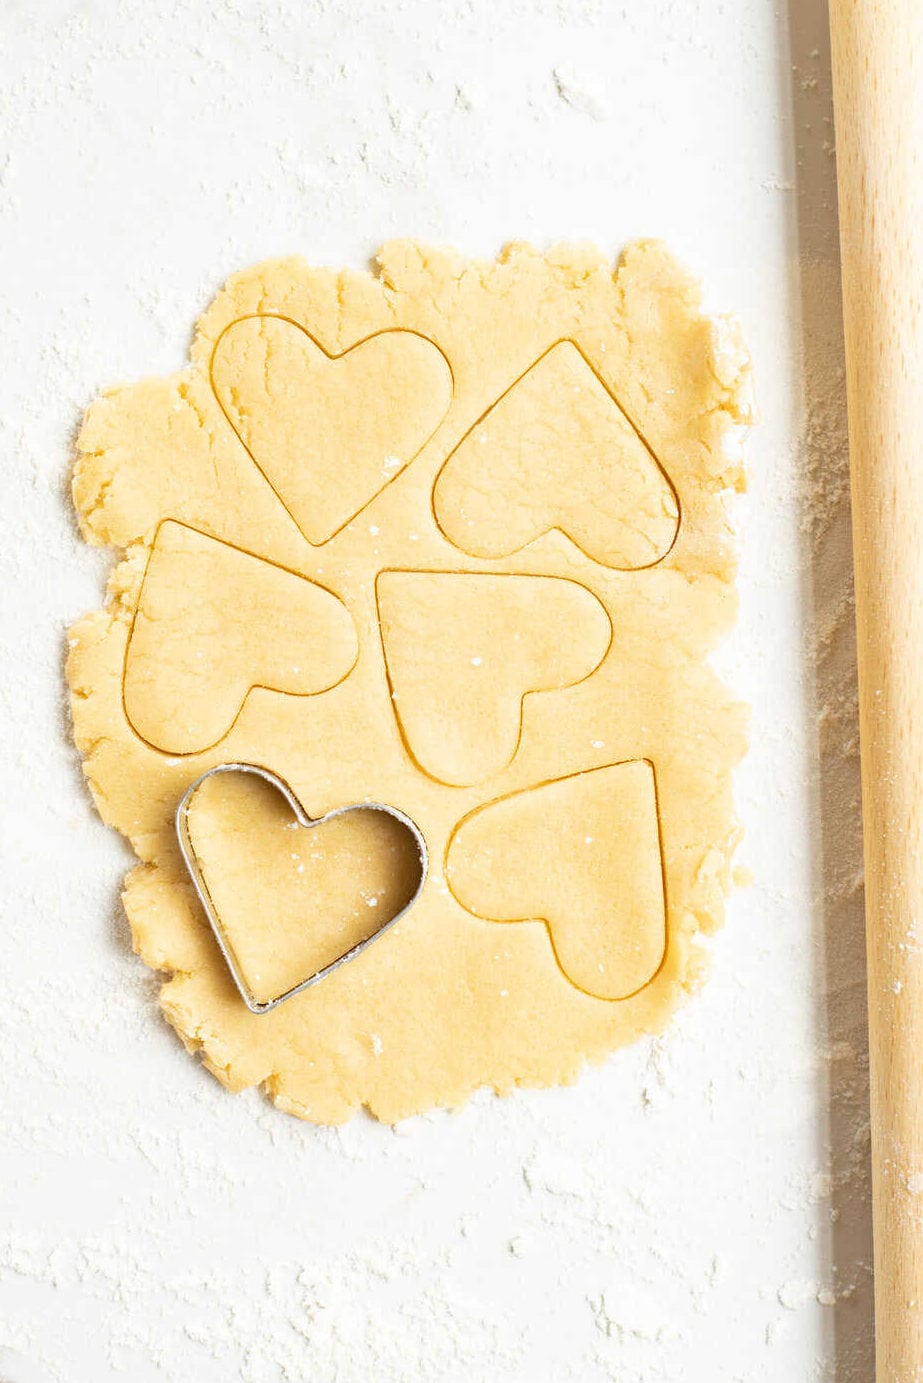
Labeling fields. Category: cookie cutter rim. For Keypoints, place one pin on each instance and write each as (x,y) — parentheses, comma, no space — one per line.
(190,859)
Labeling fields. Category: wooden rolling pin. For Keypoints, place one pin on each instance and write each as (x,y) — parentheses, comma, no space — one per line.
(877,50)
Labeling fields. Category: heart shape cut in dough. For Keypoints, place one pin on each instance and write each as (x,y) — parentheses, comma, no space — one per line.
(290,897)
(328,431)
(212,623)
(557,451)
(464,649)
(583,855)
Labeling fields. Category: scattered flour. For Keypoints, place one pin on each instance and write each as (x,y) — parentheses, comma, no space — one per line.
(676,1214)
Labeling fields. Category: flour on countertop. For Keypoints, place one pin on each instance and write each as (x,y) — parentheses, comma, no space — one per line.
(695,1209)
(582,95)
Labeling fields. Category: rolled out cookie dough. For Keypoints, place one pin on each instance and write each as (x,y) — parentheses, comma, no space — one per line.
(450,536)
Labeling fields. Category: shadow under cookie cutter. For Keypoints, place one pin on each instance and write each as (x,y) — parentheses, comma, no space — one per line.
(190,859)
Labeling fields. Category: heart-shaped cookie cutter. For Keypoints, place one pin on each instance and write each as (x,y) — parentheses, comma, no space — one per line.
(187,850)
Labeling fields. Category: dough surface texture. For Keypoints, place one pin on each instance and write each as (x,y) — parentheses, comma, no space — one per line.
(451,536)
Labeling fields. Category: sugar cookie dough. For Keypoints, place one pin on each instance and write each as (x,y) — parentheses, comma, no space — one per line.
(450,536)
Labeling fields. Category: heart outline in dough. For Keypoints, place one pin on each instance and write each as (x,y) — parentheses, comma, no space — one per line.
(473,581)
(493,549)
(295,505)
(199,883)
(207,542)
(552,924)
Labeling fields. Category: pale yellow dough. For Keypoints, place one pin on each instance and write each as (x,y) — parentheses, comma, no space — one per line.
(451,536)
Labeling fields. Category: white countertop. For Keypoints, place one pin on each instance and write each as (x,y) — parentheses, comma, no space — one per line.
(696,1209)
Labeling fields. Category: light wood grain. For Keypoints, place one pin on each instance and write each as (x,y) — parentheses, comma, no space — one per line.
(878,96)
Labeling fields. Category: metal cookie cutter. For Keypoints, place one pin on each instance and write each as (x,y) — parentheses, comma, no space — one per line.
(191,861)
